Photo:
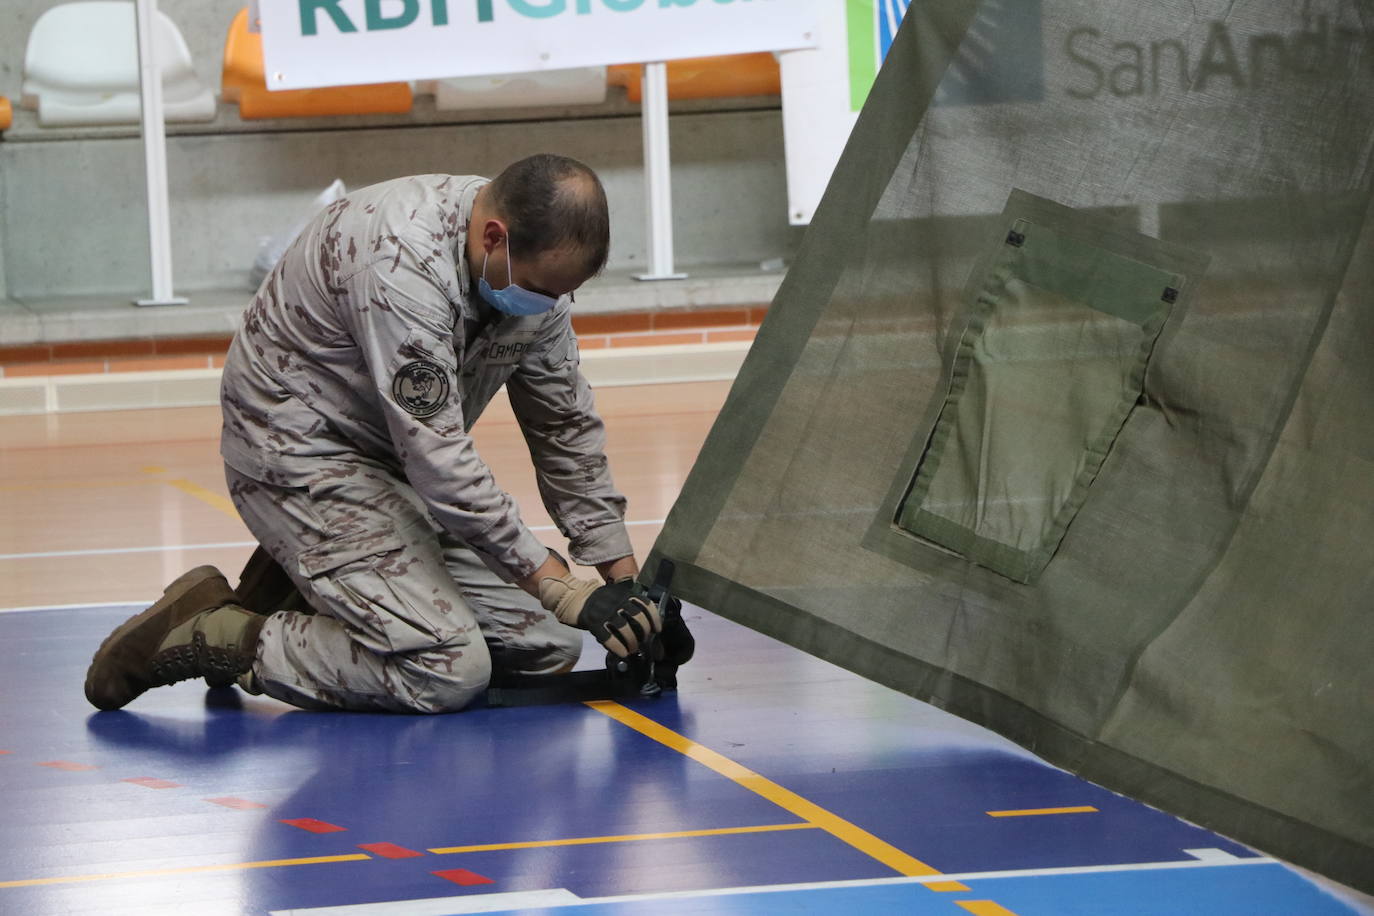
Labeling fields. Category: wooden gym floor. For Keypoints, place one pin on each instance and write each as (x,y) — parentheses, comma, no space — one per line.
(771,782)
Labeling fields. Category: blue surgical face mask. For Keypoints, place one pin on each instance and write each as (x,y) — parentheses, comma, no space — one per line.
(513,300)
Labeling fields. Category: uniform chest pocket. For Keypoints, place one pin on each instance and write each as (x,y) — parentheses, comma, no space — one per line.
(486,368)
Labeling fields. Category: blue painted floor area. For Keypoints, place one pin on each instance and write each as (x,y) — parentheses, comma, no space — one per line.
(1262,890)
(181,802)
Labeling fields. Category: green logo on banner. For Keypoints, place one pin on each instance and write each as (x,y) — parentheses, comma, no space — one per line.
(871,26)
(372,11)
(409,12)
(543,9)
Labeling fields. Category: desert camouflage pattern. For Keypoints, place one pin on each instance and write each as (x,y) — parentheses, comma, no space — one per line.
(407,618)
(348,397)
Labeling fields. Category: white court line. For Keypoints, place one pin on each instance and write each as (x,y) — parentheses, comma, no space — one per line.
(938,879)
(75,607)
(1211,854)
(110,551)
(483,903)
(119,550)
(441,906)
(116,550)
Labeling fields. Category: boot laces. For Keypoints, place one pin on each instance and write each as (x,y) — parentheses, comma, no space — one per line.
(197,659)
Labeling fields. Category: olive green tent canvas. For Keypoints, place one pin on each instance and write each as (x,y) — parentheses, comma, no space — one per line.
(1063,418)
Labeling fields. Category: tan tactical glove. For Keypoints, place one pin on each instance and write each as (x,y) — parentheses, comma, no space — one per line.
(620,621)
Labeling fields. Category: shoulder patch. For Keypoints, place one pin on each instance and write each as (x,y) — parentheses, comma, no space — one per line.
(420,387)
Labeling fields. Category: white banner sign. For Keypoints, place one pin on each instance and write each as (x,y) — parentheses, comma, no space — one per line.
(824,88)
(309,43)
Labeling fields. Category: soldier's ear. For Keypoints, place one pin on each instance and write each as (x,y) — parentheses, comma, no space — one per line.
(494,233)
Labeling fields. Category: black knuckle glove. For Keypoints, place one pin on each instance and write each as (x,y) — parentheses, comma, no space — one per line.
(619,619)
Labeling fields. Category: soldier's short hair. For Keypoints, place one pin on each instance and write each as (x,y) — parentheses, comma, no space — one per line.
(550,202)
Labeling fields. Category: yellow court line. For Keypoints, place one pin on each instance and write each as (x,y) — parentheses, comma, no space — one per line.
(1031,812)
(209,497)
(786,799)
(360,857)
(630,838)
(189,870)
(984,908)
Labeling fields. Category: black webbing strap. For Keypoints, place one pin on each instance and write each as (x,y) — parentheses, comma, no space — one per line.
(574,687)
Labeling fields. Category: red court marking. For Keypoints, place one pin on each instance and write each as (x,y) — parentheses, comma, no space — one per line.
(463,876)
(390,850)
(67,765)
(241,804)
(152,782)
(314,826)
(6,752)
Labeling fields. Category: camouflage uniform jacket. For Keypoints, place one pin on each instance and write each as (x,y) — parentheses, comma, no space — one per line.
(364,351)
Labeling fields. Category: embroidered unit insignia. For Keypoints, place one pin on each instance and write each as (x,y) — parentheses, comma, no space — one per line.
(421,387)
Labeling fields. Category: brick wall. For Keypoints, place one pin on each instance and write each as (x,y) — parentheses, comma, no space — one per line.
(633,329)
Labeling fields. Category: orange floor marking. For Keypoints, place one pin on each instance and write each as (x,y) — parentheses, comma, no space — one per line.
(389,850)
(312,825)
(67,765)
(813,814)
(151,782)
(984,908)
(241,804)
(464,877)
(1032,812)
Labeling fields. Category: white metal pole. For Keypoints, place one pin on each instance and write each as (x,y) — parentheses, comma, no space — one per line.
(658,187)
(155,157)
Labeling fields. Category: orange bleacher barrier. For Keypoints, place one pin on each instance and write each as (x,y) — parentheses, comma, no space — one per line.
(707,77)
(6,113)
(244,81)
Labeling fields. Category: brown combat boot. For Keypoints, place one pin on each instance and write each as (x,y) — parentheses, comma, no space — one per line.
(195,629)
(264,588)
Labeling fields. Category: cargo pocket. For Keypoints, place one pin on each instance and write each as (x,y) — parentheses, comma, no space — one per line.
(1061,328)
(373,582)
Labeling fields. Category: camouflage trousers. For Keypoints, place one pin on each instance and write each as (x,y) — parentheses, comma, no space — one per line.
(407,618)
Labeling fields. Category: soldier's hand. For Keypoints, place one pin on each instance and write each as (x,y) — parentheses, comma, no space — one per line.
(620,620)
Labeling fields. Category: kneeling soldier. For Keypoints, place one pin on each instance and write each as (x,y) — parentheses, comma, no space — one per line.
(348,397)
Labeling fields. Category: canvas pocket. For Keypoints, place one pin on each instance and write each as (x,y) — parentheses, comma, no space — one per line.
(1061,326)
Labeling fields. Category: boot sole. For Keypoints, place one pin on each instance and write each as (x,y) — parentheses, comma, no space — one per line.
(140,625)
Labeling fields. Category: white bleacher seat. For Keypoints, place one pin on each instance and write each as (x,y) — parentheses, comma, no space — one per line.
(81,67)
(580,86)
